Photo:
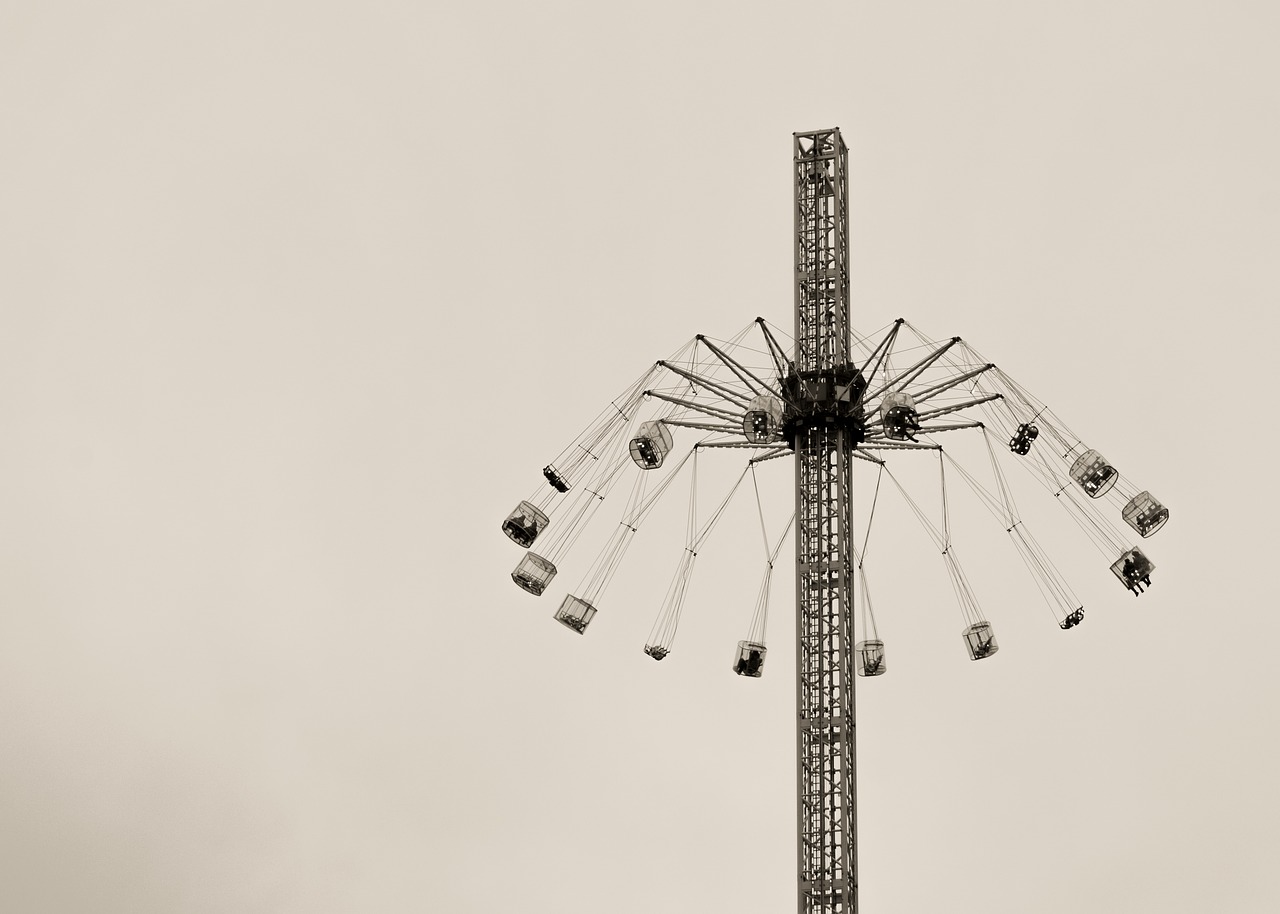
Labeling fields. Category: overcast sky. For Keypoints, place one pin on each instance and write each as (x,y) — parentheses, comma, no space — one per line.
(296,299)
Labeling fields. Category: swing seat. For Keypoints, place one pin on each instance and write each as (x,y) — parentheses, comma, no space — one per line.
(871,661)
(651,445)
(524,524)
(533,574)
(1144,514)
(980,641)
(1093,474)
(1133,569)
(901,421)
(1020,443)
(553,476)
(750,659)
(762,420)
(575,614)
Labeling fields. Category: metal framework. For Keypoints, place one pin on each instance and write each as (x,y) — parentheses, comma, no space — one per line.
(826,391)
(839,399)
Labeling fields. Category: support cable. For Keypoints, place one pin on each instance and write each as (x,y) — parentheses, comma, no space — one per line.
(663,632)
(755,483)
(572,463)
(582,505)
(758,632)
(1026,408)
(603,568)
(868,616)
(1080,508)
(1057,595)
(871,515)
(968,603)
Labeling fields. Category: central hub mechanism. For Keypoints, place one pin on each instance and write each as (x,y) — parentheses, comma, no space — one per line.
(830,397)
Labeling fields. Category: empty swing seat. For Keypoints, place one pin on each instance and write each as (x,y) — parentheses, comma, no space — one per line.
(524,524)
(980,640)
(575,614)
(763,419)
(651,445)
(1092,472)
(901,421)
(1144,514)
(750,659)
(656,651)
(870,658)
(533,574)
(1133,569)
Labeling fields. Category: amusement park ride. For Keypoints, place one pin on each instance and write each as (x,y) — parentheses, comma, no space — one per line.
(827,398)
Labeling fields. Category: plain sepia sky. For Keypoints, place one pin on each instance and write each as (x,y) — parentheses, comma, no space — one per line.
(297,298)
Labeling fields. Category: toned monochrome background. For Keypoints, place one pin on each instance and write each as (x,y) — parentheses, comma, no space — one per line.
(296,299)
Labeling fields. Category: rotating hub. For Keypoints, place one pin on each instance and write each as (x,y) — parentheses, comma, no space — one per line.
(825,396)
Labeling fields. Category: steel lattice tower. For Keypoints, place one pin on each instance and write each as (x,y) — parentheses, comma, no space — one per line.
(826,427)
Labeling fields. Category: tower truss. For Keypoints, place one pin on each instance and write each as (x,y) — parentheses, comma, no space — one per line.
(826,391)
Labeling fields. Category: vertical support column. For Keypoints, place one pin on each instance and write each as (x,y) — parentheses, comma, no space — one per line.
(821,250)
(825,759)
